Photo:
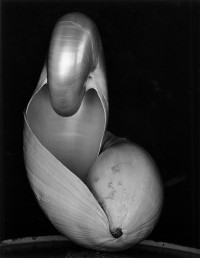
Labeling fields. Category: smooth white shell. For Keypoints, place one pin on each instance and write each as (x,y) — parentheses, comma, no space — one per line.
(125,181)
(60,151)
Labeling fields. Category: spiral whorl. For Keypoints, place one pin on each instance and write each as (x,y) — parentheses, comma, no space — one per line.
(73,55)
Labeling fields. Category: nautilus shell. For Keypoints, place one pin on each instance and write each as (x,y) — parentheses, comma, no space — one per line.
(100,191)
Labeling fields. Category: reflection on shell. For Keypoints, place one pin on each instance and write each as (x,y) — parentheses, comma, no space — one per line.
(60,150)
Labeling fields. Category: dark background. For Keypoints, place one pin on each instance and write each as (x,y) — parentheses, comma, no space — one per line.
(151,53)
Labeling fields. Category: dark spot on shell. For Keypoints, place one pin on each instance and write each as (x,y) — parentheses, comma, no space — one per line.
(116,169)
(96,179)
(119,183)
(110,185)
(110,195)
(116,233)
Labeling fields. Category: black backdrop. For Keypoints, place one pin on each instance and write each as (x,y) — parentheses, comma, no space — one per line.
(151,57)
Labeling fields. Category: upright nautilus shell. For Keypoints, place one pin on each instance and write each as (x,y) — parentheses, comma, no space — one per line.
(100,191)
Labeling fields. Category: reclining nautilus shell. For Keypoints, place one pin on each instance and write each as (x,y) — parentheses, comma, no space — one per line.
(100,191)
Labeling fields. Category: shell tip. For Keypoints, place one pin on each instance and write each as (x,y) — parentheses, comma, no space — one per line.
(116,232)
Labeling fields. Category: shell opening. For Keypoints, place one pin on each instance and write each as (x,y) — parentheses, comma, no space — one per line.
(75,140)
